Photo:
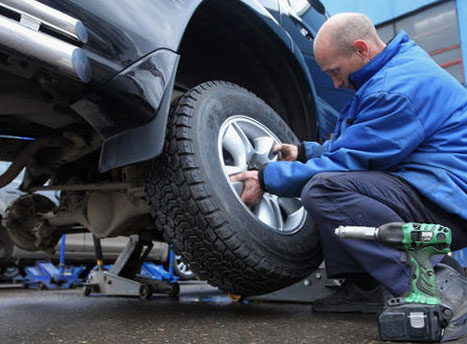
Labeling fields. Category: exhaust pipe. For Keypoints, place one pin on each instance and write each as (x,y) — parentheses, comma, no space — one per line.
(23,39)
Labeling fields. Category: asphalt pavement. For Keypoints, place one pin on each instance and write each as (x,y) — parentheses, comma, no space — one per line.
(201,314)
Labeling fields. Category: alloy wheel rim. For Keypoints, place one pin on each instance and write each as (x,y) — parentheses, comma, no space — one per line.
(246,144)
(182,267)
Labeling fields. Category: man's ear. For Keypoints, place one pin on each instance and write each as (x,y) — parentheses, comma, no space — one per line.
(361,47)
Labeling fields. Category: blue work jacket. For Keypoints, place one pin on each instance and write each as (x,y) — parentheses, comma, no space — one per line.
(408,117)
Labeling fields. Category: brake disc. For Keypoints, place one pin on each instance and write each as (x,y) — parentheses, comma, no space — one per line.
(25,225)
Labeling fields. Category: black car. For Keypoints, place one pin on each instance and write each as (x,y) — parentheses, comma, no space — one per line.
(138,111)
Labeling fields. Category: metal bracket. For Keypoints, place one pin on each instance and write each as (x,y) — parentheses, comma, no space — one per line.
(106,283)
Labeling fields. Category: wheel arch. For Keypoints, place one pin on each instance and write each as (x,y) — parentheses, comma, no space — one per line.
(250,49)
(236,41)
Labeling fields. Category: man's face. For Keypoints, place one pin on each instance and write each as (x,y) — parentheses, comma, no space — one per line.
(338,66)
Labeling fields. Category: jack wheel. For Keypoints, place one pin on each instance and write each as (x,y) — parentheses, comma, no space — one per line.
(145,292)
(174,290)
(87,291)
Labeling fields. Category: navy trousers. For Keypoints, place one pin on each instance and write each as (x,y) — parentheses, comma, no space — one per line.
(370,198)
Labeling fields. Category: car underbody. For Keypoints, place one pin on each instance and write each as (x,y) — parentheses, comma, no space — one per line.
(142,135)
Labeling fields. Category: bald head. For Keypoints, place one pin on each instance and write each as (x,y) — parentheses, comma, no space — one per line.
(342,29)
(344,44)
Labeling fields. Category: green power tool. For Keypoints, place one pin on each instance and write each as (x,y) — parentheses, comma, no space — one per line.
(418,315)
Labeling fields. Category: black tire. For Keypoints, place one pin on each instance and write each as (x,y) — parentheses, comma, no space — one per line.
(8,274)
(197,210)
(174,290)
(145,292)
(87,290)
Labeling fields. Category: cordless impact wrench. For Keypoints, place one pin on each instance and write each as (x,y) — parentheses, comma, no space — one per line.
(418,315)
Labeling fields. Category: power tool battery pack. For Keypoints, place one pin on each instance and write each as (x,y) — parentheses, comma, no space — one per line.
(412,322)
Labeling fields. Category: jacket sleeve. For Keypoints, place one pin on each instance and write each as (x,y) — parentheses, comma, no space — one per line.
(314,149)
(386,130)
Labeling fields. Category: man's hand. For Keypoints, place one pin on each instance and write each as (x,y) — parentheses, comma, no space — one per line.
(252,193)
(288,152)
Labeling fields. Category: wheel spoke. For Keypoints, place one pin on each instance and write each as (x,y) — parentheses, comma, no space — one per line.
(277,212)
(264,212)
(238,187)
(232,143)
(237,144)
(290,205)
(293,210)
(230,170)
(268,211)
(247,146)
(262,152)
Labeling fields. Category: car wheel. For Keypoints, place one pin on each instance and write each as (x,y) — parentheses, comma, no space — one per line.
(174,290)
(8,274)
(182,269)
(218,129)
(145,292)
(87,290)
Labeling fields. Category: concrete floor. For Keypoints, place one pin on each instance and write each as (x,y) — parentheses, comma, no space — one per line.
(201,315)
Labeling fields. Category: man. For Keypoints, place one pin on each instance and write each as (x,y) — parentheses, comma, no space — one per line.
(398,154)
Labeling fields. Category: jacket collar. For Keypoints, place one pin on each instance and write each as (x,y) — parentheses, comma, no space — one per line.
(359,77)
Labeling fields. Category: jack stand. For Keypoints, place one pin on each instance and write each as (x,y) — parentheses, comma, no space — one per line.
(123,278)
(45,275)
(315,286)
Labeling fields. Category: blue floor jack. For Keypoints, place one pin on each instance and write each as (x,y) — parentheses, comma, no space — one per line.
(46,275)
(158,272)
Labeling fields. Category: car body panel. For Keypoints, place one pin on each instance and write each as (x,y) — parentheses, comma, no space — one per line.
(303,28)
(116,39)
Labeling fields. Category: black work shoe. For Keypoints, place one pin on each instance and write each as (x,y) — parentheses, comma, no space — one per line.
(351,299)
(453,293)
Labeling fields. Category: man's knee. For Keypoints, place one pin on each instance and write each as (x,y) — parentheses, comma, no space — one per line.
(320,184)
(327,184)
(317,193)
